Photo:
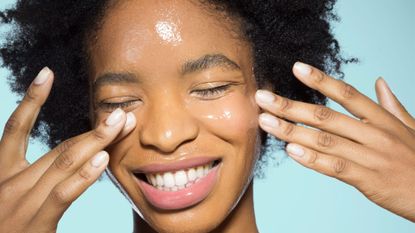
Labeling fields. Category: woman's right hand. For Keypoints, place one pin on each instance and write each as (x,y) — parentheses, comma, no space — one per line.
(33,197)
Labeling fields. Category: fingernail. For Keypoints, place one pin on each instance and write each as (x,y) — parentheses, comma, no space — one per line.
(268,120)
(302,69)
(386,86)
(99,159)
(295,150)
(42,77)
(130,122)
(264,97)
(115,117)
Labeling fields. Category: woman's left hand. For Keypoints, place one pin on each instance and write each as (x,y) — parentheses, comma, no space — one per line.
(374,152)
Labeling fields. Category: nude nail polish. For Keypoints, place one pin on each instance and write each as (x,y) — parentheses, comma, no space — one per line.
(42,77)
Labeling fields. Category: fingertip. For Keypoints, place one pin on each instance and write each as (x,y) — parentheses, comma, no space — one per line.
(130,122)
(100,159)
(115,117)
(301,69)
(295,150)
(43,76)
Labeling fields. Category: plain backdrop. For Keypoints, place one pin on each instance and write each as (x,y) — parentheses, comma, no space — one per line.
(291,198)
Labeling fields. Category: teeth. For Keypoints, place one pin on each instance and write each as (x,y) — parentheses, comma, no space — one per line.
(159,180)
(168,180)
(180,178)
(200,171)
(173,181)
(153,180)
(191,174)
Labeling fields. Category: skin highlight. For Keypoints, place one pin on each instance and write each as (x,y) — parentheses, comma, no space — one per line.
(209,90)
(175,121)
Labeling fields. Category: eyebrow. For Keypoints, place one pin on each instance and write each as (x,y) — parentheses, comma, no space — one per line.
(208,61)
(191,66)
(114,78)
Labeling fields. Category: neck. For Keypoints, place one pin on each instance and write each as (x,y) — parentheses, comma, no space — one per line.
(241,219)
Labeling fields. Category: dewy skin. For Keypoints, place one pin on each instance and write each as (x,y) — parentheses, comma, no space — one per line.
(168,32)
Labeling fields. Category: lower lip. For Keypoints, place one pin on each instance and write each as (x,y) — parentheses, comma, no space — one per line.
(173,200)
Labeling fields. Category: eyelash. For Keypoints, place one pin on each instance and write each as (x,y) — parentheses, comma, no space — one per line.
(113,106)
(211,92)
(205,93)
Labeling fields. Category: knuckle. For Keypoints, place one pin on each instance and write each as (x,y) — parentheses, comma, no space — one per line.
(99,135)
(12,125)
(64,161)
(31,96)
(65,145)
(289,130)
(60,195)
(322,113)
(348,91)
(319,76)
(85,174)
(285,105)
(312,158)
(325,140)
(339,165)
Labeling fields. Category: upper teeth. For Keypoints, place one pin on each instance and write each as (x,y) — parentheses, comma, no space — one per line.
(173,181)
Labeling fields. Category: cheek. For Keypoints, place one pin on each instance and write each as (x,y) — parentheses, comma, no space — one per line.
(230,117)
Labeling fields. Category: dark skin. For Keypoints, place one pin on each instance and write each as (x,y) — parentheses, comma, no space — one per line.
(38,207)
(377,143)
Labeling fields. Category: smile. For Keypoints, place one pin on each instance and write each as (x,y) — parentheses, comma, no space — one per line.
(178,185)
(173,181)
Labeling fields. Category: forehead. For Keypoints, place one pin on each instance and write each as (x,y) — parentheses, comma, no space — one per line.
(164,32)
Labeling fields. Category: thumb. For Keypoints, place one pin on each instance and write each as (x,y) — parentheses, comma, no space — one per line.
(388,101)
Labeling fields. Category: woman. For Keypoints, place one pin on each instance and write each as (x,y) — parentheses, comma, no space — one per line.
(187,73)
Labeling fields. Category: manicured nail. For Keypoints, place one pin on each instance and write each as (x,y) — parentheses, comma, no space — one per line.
(295,150)
(264,97)
(99,159)
(115,117)
(302,69)
(130,122)
(42,77)
(268,120)
(385,85)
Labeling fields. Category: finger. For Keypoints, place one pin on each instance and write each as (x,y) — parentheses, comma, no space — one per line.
(352,100)
(70,160)
(388,101)
(333,166)
(66,192)
(16,132)
(32,174)
(41,165)
(130,124)
(318,140)
(318,116)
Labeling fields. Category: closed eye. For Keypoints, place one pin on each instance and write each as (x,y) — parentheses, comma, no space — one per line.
(212,93)
(111,106)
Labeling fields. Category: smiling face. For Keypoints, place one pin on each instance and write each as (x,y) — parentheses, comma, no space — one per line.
(189,82)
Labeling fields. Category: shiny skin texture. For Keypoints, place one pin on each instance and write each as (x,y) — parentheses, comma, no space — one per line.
(175,120)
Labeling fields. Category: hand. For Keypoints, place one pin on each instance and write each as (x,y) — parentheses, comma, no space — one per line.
(33,197)
(373,151)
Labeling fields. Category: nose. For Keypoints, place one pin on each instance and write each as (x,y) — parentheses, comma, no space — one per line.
(168,124)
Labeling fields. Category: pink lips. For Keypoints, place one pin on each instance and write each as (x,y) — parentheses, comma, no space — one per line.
(183,198)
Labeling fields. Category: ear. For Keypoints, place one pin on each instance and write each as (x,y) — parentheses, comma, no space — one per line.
(388,101)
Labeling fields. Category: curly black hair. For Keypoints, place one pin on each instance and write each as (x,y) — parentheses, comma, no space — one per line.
(53,33)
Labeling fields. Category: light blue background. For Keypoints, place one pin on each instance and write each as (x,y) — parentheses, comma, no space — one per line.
(381,33)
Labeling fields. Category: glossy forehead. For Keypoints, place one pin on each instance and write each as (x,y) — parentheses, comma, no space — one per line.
(176,29)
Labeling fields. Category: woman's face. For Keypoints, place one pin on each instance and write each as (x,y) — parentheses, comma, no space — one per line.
(188,79)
